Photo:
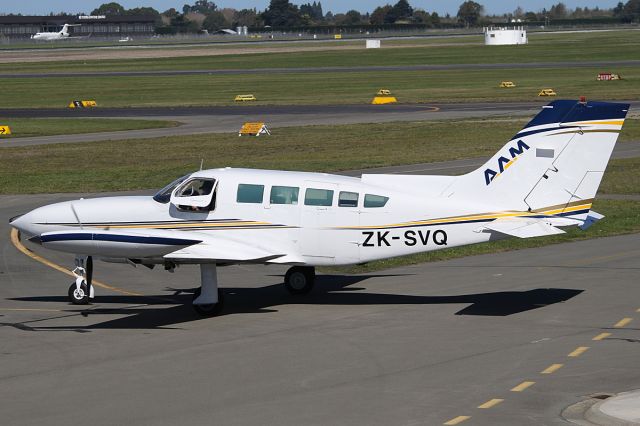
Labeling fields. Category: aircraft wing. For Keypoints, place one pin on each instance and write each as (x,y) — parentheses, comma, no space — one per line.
(135,243)
(217,249)
(522,227)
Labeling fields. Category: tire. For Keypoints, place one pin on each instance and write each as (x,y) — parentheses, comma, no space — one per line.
(212,309)
(78,297)
(300,279)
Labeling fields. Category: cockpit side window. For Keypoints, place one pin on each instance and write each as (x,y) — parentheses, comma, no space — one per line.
(197,195)
(196,188)
(164,195)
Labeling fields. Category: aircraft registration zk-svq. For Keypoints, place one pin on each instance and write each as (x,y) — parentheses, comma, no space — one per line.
(545,178)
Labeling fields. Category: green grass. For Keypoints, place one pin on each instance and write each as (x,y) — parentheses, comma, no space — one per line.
(29,127)
(319,88)
(151,163)
(622,177)
(621,217)
(603,46)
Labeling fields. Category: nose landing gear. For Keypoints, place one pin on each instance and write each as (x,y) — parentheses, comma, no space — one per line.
(81,290)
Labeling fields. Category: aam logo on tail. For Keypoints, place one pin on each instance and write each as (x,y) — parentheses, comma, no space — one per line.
(504,162)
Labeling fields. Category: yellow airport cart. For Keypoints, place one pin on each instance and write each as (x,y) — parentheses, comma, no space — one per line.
(547,92)
(245,98)
(507,84)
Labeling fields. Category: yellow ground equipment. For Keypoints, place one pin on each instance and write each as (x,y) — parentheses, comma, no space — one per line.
(5,130)
(507,84)
(547,92)
(245,98)
(381,100)
(384,92)
(607,76)
(82,104)
(337,36)
(254,129)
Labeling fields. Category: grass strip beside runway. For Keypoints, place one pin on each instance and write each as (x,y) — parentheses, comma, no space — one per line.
(317,88)
(30,127)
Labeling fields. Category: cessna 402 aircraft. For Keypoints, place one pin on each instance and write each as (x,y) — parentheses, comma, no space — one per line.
(543,179)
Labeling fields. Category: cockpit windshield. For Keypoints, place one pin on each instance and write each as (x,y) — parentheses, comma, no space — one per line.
(164,195)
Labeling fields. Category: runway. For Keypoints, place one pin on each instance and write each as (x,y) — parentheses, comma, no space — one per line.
(372,68)
(224,119)
(427,344)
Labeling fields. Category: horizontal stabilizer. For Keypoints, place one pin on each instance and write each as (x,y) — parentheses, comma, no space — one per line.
(592,217)
(522,227)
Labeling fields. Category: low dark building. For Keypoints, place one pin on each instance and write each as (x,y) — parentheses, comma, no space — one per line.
(100,25)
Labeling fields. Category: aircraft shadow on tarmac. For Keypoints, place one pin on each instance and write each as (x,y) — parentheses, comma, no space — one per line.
(150,312)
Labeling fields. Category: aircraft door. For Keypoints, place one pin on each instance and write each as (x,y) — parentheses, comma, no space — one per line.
(318,217)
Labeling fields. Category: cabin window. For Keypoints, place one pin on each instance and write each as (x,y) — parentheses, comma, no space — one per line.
(248,193)
(284,195)
(348,199)
(318,197)
(371,200)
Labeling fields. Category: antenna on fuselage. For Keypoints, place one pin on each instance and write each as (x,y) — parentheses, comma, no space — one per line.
(75,213)
(201,163)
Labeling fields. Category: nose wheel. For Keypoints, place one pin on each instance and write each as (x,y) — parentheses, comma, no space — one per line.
(81,290)
(78,295)
(300,279)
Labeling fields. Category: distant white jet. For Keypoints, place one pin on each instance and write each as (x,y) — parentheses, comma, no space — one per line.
(62,34)
(544,178)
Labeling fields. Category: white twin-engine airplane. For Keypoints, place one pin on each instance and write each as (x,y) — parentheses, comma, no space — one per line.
(59,35)
(543,179)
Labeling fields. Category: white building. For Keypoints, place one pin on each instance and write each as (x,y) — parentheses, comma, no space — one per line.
(503,35)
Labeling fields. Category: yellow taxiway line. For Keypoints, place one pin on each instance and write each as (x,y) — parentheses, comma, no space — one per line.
(550,369)
(15,239)
(491,403)
(578,351)
(522,386)
(457,420)
(623,322)
(601,336)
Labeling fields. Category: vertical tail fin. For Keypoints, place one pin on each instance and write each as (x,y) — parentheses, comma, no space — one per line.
(554,164)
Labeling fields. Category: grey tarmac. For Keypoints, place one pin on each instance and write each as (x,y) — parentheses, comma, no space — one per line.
(422,344)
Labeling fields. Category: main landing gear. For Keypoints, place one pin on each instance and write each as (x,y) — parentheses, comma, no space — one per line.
(208,300)
(300,279)
(81,290)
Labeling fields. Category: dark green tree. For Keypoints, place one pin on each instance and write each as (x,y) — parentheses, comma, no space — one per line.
(215,21)
(402,10)
(469,13)
(281,13)
(631,12)
(246,18)
(112,8)
(352,17)
(379,14)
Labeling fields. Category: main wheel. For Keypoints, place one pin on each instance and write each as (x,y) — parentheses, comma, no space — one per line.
(211,309)
(78,296)
(300,279)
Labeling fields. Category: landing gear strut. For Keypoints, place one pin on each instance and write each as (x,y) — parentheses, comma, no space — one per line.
(208,300)
(300,279)
(81,290)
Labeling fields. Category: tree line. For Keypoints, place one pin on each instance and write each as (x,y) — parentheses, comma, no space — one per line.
(282,14)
